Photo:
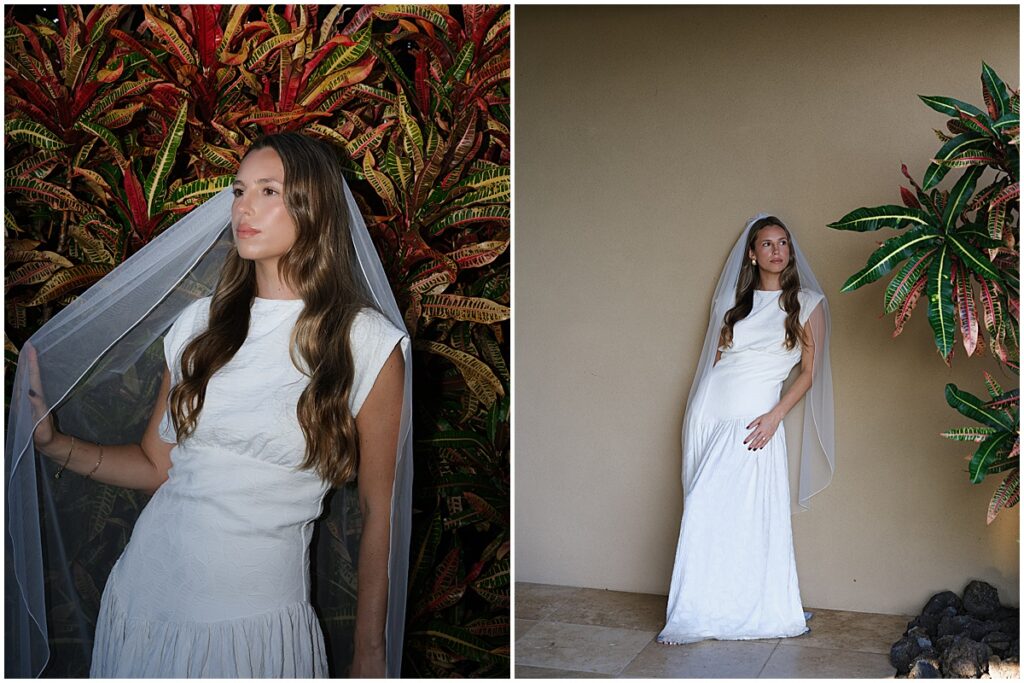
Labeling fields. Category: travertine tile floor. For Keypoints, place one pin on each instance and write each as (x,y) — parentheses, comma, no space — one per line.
(565,632)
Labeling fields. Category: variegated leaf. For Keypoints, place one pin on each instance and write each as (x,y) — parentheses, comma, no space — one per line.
(479,378)
(35,134)
(76,277)
(986,454)
(892,252)
(465,308)
(955,147)
(169,38)
(48,194)
(972,258)
(960,196)
(940,302)
(995,89)
(903,282)
(200,190)
(994,390)
(155,187)
(480,254)
(975,434)
(873,218)
(477,214)
(343,55)
(380,182)
(337,80)
(971,406)
(1006,496)
(966,313)
(108,138)
(30,273)
(948,105)
(1011,192)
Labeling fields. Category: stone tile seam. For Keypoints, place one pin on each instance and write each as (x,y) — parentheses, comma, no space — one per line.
(834,649)
(768,659)
(626,665)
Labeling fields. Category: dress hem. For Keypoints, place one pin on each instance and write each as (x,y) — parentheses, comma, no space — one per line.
(686,640)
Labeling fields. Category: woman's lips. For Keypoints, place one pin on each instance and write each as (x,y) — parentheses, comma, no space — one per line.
(245,231)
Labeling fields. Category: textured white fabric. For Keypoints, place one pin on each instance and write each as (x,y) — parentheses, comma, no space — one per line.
(735,572)
(814,458)
(215,580)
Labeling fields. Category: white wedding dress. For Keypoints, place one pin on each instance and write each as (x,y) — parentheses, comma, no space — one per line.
(215,580)
(735,572)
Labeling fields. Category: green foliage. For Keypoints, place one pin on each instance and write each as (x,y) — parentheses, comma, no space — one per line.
(998,440)
(121,119)
(961,253)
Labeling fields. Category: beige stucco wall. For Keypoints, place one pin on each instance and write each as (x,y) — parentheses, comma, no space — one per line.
(644,139)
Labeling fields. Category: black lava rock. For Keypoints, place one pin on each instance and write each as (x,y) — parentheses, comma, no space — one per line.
(958,625)
(998,641)
(940,601)
(924,668)
(965,658)
(920,636)
(981,599)
(903,653)
(929,622)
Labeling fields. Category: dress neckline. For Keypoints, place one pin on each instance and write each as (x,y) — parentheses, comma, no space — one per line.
(260,301)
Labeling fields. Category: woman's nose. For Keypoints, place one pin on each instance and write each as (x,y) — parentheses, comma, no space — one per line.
(243,205)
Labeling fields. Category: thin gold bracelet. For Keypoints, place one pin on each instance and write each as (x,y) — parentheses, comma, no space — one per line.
(63,467)
(98,462)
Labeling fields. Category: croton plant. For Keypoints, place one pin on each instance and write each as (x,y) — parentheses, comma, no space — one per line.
(959,250)
(119,119)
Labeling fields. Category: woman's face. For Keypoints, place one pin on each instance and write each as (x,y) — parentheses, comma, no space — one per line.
(771,249)
(264,231)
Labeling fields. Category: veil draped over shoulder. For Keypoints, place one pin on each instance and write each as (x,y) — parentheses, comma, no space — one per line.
(816,453)
(101,363)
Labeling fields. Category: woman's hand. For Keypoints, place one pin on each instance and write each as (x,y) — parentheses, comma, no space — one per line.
(764,428)
(45,433)
(368,663)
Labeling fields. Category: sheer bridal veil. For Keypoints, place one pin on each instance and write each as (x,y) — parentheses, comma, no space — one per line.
(101,363)
(816,454)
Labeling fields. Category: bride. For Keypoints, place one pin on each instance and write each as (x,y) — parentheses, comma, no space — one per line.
(735,572)
(287,382)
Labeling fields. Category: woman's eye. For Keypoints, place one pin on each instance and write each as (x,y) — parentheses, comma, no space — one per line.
(269,191)
(237,192)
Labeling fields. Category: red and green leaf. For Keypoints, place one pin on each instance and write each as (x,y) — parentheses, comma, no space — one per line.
(1006,496)
(940,302)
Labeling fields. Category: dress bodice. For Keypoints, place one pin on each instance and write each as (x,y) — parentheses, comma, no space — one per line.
(761,336)
(236,509)
(752,369)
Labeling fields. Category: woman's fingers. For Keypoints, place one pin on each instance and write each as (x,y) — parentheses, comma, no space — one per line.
(44,430)
(35,382)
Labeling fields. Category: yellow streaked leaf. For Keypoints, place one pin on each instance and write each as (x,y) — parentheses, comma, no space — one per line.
(466,308)
(480,379)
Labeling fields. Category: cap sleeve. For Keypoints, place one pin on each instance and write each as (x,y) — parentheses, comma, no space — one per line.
(808,302)
(192,320)
(373,337)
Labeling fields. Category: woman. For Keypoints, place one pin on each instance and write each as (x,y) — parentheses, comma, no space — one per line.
(283,384)
(735,572)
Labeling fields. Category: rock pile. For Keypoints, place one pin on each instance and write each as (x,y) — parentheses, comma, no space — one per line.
(973,636)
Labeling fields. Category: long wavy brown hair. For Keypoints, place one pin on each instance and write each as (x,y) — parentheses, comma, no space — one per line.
(749,279)
(320,267)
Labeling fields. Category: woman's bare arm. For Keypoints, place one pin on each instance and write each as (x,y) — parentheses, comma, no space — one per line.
(140,465)
(764,427)
(378,423)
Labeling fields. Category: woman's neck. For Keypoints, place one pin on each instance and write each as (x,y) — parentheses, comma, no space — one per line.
(270,284)
(769,282)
